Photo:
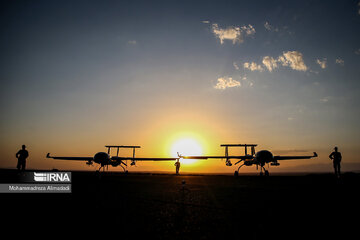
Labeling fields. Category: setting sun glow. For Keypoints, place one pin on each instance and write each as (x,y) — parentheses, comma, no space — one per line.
(186,146)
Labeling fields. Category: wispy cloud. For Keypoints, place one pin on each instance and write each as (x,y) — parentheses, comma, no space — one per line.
(247,82)
(226,82)
(232,33)
(322,63)
(281,30)
(205,21)
(249,30)
(340,61)
(236,66)
(325,99)
(267,26)
(253,66)
(357,51)
(132,42)
(270,27)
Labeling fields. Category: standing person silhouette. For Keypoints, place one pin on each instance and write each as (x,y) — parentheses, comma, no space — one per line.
(177,165)
(336,157)
(21,155)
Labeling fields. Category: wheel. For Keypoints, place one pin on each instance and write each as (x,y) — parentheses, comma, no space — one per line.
(266,173)
(236,173)
(261,174)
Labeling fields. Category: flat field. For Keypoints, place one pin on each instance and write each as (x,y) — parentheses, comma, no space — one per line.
(166,206)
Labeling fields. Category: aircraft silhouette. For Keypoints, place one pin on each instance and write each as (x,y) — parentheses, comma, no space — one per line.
(259,158)
(104,159)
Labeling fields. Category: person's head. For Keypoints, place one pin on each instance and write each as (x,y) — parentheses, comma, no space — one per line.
(23,147)
(336,149)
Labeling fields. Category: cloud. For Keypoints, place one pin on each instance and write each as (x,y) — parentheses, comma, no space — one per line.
(325,99)
(226,82)
(232,33)
(270,63)
(132,42)
(249,30)
(236,66)
(340,61)
(322,63)
(267,26)
(357,52)
(247,82)
(205,21)
(294,60)
(270,28)
(253,66)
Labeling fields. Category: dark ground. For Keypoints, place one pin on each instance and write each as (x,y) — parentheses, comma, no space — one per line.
(315,206)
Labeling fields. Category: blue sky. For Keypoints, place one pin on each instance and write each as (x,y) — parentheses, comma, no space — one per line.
(284,74)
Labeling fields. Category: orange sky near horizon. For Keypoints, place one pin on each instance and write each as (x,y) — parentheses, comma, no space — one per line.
(157,139)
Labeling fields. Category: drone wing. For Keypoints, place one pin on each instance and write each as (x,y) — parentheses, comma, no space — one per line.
(143,159)
(218,157)
(294,157)
(71,158)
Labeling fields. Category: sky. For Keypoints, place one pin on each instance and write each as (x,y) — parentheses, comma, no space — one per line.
(78,75)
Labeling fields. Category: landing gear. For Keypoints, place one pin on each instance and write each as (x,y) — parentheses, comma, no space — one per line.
(266,172)
(263,171)
(236,173)
(123,168)
(101,167)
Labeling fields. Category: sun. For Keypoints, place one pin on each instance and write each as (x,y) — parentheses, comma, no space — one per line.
(186,146)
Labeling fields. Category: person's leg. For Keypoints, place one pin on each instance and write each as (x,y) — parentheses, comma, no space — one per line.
(23,166)
(18,165)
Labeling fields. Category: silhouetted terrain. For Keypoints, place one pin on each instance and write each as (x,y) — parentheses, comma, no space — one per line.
(209,207)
